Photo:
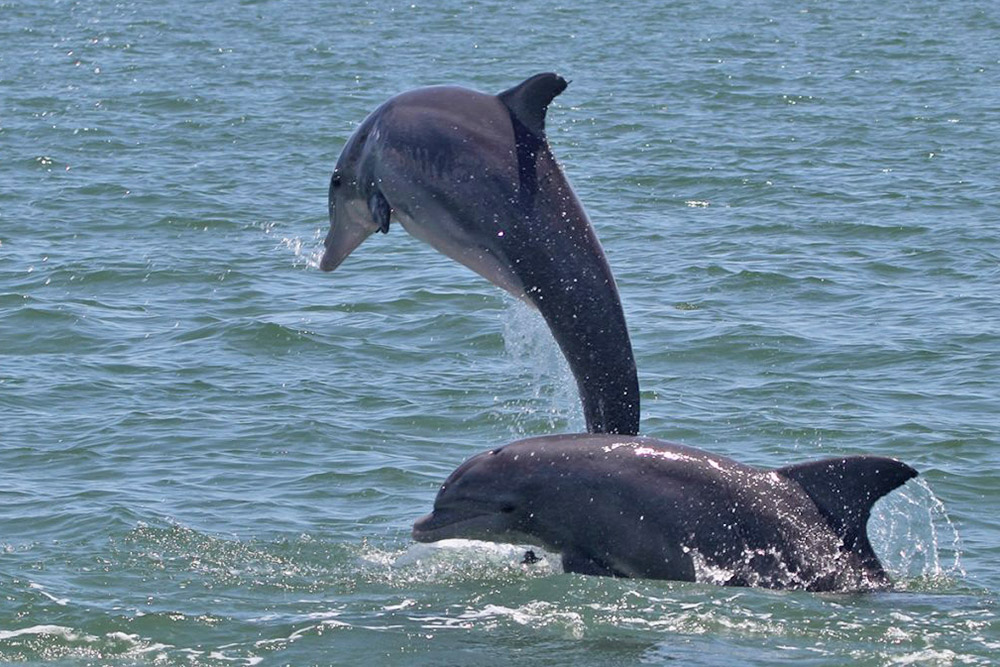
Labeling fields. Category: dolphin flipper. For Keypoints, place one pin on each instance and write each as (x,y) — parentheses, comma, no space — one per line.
(380,211)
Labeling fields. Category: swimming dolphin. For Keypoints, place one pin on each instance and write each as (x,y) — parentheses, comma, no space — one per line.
(472,175)
(641,507)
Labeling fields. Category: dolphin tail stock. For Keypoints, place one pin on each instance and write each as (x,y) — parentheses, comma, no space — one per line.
(589,326)
(560,262)
(844,490)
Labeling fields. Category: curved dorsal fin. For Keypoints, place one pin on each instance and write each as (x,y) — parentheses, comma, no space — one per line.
(529,99)
(845,489)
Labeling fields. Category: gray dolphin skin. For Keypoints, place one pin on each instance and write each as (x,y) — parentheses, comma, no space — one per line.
(641,507)
(472,174)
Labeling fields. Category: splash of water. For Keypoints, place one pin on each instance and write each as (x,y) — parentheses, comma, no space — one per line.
(915,538)
(456,560)
(305,253)
(548,381)
(308,256)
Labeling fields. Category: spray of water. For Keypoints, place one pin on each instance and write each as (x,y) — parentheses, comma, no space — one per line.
(915,538)
(308,255)
(304,253)
(548,385)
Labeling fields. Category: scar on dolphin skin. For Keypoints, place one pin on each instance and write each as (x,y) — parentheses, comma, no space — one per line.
(473,175)
(642,507)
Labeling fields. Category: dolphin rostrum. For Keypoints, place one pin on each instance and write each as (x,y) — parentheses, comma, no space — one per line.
(641,507)
(472,174)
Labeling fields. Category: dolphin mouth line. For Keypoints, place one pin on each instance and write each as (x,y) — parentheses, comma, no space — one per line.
(433,527)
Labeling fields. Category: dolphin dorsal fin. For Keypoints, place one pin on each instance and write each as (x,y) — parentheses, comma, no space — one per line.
(845,490)
(529,99)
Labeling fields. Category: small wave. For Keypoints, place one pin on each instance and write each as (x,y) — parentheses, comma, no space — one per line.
(853,231)
(293,565)
(49,642)
(54,630)
(537,615)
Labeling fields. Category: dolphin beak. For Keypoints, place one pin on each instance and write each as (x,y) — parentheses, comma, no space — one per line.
(459,522)
(341,242)
(423,530)
(329,262)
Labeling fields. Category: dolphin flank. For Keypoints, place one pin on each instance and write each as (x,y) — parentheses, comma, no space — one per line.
(472,174)
(642,507)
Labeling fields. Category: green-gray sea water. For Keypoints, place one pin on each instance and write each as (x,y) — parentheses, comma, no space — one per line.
(211,453)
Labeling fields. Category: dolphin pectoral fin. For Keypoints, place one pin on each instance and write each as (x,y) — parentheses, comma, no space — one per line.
(577,562)
(380,210)
(844,490)
(497,272)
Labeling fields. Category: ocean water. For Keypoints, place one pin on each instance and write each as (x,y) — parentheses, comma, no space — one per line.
(211,453)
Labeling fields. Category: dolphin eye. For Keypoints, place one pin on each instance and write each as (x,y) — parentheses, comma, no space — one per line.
(335,180)
(507,508)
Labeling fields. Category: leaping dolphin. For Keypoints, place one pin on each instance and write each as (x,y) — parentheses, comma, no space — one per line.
(472,174)
(641,507)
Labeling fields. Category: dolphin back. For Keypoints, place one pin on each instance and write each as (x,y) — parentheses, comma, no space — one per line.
(844,490)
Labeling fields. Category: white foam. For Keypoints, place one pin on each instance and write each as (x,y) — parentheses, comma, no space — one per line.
(54,630)
(533,614)
(59,601)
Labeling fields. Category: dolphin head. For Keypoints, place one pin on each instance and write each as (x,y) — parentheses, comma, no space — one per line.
(356,205)
(485,498)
